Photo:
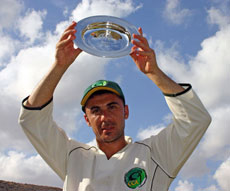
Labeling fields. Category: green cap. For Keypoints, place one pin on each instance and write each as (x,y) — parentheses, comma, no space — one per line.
(102,85)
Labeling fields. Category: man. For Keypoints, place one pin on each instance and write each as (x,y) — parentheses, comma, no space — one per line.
(116,164)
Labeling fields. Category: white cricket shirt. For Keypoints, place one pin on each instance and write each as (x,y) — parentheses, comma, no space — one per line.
(147,165)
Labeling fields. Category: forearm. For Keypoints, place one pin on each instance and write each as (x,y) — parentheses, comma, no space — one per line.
(164,83)
(44,91)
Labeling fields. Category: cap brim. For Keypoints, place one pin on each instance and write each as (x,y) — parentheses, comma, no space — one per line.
(86,97)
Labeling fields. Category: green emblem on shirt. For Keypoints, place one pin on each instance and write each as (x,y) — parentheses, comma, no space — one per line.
(135,178)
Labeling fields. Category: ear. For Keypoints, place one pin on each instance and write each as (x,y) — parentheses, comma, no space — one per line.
(87,120)
(126,112)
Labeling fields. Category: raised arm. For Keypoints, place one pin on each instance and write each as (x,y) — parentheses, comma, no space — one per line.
(174,144)
(145,59)
(64,57)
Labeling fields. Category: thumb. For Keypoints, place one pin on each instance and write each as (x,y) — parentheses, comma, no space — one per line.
(77,52)
(133,54)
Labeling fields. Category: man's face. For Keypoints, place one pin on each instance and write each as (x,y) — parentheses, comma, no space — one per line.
(106,115)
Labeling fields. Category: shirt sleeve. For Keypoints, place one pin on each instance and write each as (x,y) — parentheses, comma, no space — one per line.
(50,141)
(174,144)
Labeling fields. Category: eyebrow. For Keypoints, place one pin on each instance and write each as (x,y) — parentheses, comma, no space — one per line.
(94,107)
(112,103)
(109,104)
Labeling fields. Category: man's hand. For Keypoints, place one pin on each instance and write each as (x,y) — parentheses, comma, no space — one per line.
(143,56)
(145,59)
(65,51)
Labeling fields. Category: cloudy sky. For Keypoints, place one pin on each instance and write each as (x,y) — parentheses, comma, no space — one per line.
(192,42)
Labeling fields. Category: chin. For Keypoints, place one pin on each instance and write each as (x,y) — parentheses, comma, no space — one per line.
(109,139)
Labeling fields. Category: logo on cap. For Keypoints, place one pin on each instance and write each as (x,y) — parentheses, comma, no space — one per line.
(99,83)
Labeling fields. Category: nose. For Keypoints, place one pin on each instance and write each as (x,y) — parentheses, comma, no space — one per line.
(105,115)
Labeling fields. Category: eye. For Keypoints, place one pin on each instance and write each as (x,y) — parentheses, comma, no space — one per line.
(95,110)
(112,106)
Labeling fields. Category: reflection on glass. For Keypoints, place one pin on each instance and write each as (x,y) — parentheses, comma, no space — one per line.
(106,36)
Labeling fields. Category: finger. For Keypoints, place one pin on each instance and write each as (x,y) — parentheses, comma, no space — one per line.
(133,53)
(140,44)
(134,48)
(68,33)
(66,42)
(133,56)
(68,30)
(143,53)
(140,31)
(71,26)
(141,39)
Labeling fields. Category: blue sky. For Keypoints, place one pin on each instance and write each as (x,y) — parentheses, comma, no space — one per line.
(192,42)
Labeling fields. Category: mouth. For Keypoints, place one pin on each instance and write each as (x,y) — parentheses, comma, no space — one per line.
(107,129)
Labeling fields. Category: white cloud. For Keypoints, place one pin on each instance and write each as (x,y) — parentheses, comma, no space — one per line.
(214,58)
(26,69)
(23,71)
(215,145)
(17,80)
(152,130)
(219,14)
(92,143)
(7,47)
(174,13)
(210,188)
(118,8)
(195,166)
(216,142)
(184,185)
(30,25)
(18,167)
(215,16)
(29,65)
(208,73)
(170,61)
(9,12)
(222,175)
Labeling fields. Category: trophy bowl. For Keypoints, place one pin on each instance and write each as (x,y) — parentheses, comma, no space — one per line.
(105,36)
